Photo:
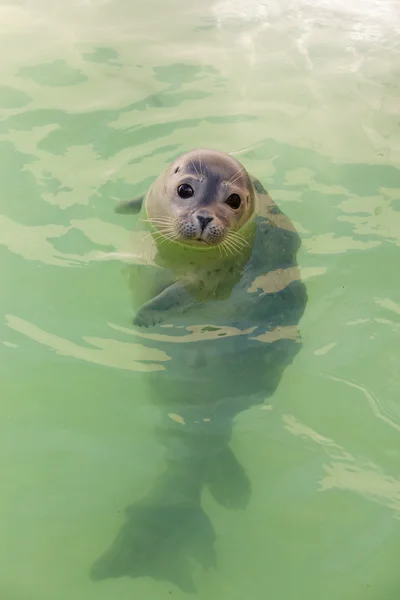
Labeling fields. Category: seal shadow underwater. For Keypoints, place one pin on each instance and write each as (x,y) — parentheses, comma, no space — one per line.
(219,259)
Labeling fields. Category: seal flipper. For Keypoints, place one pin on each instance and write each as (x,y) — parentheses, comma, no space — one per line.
(175,298)
(163,534)
(130,207)
(159,541)
(227,480)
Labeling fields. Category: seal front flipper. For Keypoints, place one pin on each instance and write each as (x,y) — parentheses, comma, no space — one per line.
(173,299)
(130,207)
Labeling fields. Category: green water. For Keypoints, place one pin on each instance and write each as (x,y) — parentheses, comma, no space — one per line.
(96,98)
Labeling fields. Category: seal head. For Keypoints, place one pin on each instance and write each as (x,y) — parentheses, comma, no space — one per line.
(202,199)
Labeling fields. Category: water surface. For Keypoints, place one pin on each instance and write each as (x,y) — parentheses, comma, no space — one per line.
(96,98)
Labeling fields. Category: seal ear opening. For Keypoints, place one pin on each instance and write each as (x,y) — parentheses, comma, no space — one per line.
(130,207)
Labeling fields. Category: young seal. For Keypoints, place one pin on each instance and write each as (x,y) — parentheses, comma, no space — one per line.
(216,262)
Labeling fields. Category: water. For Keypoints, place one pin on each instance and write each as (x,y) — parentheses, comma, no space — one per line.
(95,99)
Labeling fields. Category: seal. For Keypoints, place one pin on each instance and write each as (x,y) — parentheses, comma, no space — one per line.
(217,291)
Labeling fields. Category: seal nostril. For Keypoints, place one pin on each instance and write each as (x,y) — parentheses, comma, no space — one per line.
(204,221)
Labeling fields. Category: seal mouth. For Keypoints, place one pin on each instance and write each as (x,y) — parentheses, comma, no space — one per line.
(200,243)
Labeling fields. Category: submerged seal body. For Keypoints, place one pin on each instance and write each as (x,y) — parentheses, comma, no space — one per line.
(216,262)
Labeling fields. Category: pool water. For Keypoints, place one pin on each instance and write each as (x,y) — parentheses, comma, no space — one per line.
(96,98)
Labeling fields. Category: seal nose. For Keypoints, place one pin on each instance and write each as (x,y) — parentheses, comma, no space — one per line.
(204,221)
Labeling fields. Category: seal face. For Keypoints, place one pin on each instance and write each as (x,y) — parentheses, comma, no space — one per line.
(203,199)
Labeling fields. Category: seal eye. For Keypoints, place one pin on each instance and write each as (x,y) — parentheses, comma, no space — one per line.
(185,190)
(233,201)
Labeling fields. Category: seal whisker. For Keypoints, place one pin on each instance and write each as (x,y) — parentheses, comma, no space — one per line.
(165,225)
(167,238)
(161,229)
(236,244)
(201,166)
(151,220)
(240,242)
(222,248)
(230,244)
(158,235)
(228,247)
(239,236)
(167,231)
(235,176)
(157,219)
(160,225)
(168,234)
(232,181)
(148,235)
(233,249)
(165,220)
(195,169)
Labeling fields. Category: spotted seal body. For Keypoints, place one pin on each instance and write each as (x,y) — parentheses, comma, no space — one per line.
(216,262)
